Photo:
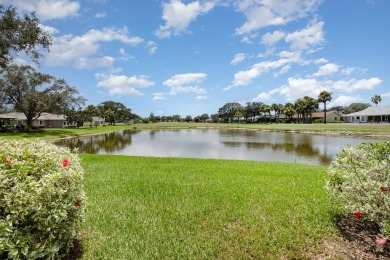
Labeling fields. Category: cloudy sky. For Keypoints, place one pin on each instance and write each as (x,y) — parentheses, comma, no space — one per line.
(191,57)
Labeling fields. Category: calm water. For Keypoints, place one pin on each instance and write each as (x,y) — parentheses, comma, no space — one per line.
(217,144)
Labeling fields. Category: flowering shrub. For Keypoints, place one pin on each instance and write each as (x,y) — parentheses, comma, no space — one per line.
(360,178)
(42,202)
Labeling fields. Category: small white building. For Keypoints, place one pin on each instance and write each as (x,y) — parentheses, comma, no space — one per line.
(369,115)
(96,121)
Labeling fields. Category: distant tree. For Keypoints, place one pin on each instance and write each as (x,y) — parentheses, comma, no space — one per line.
(188,119)
(299,107)
(324,97)
(376,99)
(289,111)
(266,109)
(239,113)
(228,111)
(311,105)
(214,118)
(115,112)
(92,111)
(355,107)
(20,34)
(78,116)
(176,118)
(204,117)
(277,108)
(338,109)
(33,93)
(152,118)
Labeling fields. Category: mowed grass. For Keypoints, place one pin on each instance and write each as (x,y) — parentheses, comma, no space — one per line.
(167,208)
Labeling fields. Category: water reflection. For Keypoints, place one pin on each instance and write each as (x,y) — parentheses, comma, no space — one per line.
(216,144)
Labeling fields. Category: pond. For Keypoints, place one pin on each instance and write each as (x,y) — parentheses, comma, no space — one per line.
(217,144)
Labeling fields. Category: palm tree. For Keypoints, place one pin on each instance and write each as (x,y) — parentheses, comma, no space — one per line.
(376,99)
(324,97)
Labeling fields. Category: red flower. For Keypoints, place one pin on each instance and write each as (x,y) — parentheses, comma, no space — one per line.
(381,241)
(8,160)
(358,214)
(77,203)
(65,162)
(384,189)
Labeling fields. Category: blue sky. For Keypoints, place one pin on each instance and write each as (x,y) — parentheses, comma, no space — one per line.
(191,57)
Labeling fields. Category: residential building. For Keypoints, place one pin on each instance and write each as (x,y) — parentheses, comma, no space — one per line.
(369,115)
(45,120)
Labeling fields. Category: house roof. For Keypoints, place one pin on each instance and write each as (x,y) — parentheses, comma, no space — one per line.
(372,111)
(44,116)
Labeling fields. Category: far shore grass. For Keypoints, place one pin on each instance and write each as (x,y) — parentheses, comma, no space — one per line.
(375,130)
(168,208)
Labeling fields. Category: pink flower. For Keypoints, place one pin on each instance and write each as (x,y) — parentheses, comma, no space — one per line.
(384,189)
(358,214)
(65,162)
(381,241)
(77,203)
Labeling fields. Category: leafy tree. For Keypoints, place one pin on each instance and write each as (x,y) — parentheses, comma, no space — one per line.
(289,111)
(355,107)
(299,107)
(266,109)
(20,34)
(376,99)
(33,93)
(324,97)
(176,118)
(115,112)
(251,110)
(277,108)
(92,111)
(338,109)
(188,119)
(228,111)
(204,117)
(311,105)
(77,116)
(239,113)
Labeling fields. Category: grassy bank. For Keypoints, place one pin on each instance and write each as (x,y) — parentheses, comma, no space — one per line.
(165,208)
(381,130)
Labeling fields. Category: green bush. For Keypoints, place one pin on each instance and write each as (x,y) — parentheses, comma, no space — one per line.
(360,178)
(42,202)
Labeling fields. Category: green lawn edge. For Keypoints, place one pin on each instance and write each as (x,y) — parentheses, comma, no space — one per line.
(170,208)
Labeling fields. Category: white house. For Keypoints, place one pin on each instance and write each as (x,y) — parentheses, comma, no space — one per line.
(369,115)
(45,120)
(96,121)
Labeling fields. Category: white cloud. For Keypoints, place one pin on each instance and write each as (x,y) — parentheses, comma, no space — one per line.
(178,16)
(284,70)
(122,84)
(263,13)
(158,96)
(299,87)
(239,57)
(152,47)
(263,96)
(49,29)
(245,77)
(100,15)
(354,85)
(386,94)
(271,39)
(201,97)
(345,100)
(76,50)
(181,83)
(90,63)
(327,69)
(48,9)
(311,36)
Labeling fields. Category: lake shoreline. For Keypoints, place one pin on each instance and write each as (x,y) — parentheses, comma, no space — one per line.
(376,135)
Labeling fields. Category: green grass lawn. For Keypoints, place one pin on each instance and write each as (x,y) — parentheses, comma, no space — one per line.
(167,208)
